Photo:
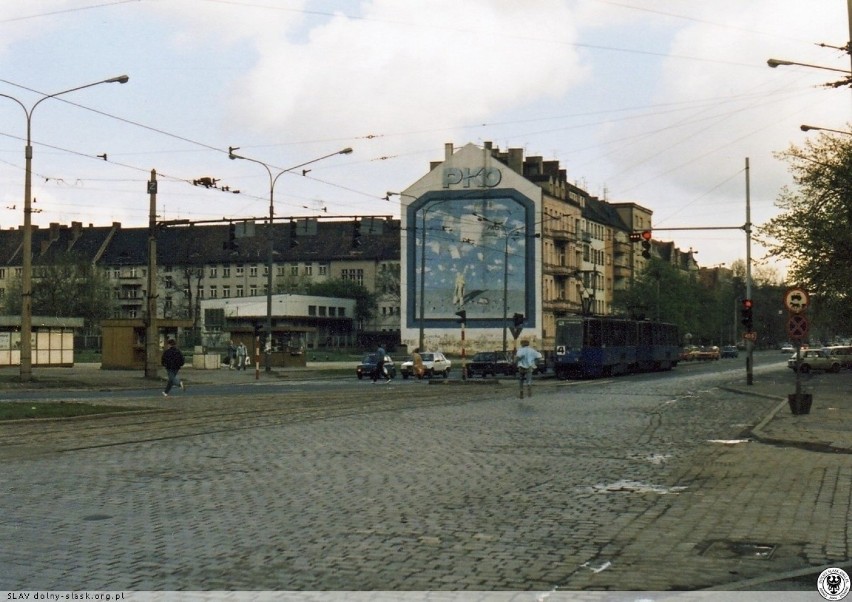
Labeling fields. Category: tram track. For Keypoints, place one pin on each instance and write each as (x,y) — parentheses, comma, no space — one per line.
(194,416)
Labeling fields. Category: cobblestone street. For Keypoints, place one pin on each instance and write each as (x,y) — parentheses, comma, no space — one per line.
(591,485)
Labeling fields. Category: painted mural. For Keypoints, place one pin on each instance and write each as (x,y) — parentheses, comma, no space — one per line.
(472,251)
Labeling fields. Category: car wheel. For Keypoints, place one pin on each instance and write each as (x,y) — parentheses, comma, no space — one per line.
(360,376)
(804,368)
(447,373)
(405,375)
(835,368)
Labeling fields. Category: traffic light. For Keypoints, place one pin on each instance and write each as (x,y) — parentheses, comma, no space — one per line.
(356,234)
(646,243)
(294,240)
(746,315)
(635,236)
(518,319)
(231,244)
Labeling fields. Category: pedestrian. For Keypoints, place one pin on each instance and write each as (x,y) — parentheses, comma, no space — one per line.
(232,354)
(417,361)
(526,358)
(380,371)
(172,361)
(242,356)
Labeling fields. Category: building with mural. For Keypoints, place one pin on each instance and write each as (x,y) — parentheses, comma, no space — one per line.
(509,244)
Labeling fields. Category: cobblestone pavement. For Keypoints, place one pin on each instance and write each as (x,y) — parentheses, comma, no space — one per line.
(648,483)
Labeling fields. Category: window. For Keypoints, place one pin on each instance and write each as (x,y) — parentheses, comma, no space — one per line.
(226,272)
(116,273)
(323,269)
(280,271)
(294,269)
(322,310)
(355,275)
(226,292)
(341,311)
(240,291)
(213,272)
(169,282)
(332,312)
(253,271)
(240,270)
(253,290)
(214,293)
(312,310)
(309,269)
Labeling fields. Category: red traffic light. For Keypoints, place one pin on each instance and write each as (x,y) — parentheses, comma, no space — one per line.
(747,303)
(646,235)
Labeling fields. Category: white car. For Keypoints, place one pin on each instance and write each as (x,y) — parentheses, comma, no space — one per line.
(433,364)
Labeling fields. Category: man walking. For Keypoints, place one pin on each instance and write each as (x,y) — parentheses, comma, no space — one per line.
(172,361)
(525,358)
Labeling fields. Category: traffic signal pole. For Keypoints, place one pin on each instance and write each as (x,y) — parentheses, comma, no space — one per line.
(645,236)
(747,228)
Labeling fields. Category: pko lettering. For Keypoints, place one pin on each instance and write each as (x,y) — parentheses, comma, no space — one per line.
(483,177)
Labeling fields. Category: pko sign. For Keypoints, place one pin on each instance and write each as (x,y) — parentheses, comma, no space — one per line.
(483,177)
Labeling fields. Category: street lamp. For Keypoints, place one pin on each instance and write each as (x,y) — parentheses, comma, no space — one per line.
(807,128)
(779,62)
(26,258)
(270,237)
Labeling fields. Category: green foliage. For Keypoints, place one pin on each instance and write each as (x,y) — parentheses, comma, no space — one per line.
(701,307)
(814,229)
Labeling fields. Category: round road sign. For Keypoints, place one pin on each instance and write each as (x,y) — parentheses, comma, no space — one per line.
(797,327)
(796,300)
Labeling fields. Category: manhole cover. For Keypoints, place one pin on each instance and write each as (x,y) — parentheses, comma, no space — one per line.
(735,549)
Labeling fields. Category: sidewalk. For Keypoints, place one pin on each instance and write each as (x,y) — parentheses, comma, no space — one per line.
(828,425)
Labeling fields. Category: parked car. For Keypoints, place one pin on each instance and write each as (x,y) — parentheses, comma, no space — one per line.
(433,364)
(491,363)
(730,351)
(368,365)
(814,359)
(843,353)
(787,348)
(707,353)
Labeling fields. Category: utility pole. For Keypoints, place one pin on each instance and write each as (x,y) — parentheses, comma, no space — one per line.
(152,333)
(747,228)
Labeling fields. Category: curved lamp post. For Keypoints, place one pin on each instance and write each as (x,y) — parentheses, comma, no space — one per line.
(807,128)
(270,237)
(26,258)
(779,62)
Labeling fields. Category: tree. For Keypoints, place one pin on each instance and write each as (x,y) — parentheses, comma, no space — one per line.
(69,287)
(814,230)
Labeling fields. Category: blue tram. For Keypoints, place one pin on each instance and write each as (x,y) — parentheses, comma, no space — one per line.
(595,346)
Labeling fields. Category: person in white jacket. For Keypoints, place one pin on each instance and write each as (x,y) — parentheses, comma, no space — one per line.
(526,358)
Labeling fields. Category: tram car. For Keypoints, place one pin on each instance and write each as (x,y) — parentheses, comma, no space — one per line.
(595,346)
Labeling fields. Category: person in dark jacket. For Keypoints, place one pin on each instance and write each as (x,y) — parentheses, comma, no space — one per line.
(172,361)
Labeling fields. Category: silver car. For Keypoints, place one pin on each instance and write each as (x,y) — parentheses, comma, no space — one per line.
(433,364)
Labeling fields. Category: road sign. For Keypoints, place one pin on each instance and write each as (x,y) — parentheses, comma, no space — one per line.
(797,326)
(516,331)
(750,336)
(796,300)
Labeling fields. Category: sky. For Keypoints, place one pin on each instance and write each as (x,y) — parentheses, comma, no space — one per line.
(654,102)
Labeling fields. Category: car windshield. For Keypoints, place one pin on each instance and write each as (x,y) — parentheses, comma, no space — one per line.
(370,358)
(482,357)
(427,357)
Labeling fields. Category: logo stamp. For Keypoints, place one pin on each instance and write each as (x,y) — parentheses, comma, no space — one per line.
(833,584)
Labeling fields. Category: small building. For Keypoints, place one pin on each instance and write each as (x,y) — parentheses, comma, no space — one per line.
(52,341)
(124,341)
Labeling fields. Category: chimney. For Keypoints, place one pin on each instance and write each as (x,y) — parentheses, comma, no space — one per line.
(448,151)
(54,231)
(487,145)
(516,160)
